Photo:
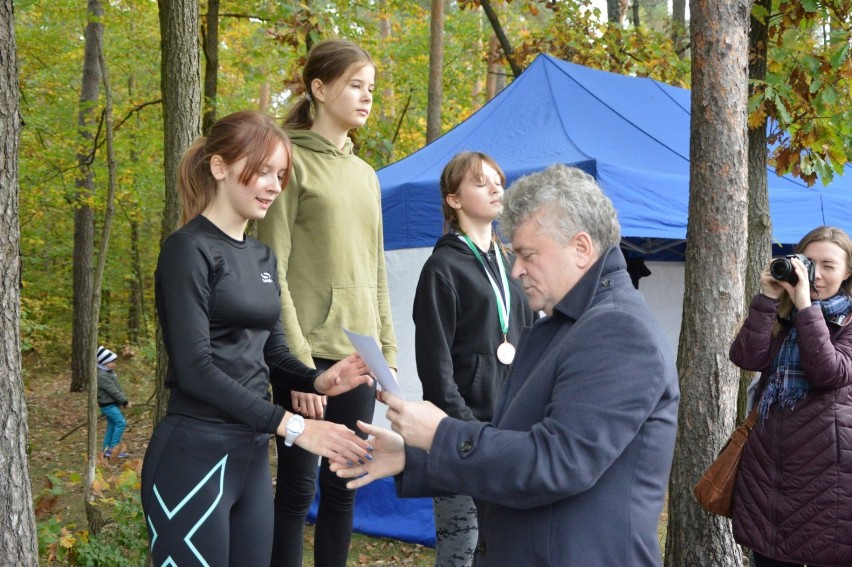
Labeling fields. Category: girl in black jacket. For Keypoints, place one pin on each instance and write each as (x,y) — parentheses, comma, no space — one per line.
(468,314)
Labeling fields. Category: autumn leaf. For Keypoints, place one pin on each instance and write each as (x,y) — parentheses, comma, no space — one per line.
(46,505)
(67,539)
(98,487)
(51,551)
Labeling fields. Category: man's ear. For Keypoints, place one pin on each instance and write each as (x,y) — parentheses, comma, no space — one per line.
(218,168)
(584,249)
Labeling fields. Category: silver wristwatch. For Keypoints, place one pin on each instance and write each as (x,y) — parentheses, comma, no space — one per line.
(295,427)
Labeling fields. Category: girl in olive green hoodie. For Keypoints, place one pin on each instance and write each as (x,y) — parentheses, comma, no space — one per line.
(326,230)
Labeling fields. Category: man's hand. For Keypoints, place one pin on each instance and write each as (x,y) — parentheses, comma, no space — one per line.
(388,458)
(415,421)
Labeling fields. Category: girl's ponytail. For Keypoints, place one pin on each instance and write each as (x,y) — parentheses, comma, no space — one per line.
(300,117)
(195,182)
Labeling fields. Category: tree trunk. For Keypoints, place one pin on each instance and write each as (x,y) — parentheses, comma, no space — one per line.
(82,349)
(181,85)
(496,80)
(501,37)
(679,26)
(388,109)
(436,66)
(136,327)
(211,64)
(93,514)
(18,539)
(613,11)
(478,81)
(635,6)
(759,221)
(264,97)
(713,297)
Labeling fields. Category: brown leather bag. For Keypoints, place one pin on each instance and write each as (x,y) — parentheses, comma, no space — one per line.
(715,491)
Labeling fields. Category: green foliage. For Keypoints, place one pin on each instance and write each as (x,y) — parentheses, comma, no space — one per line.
(574,31)
(50,48)
(807,94)
(123,540)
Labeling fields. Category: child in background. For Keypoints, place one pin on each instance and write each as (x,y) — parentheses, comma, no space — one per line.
(111,399)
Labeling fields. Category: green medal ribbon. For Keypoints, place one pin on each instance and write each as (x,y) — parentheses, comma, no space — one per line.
(502,309)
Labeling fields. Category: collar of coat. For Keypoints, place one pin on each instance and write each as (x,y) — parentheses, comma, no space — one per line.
(578,300)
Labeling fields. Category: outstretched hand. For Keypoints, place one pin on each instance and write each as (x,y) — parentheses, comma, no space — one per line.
(343,376)
(387,458)
(331,440)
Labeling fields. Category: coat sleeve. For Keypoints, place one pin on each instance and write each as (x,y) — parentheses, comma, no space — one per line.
(183,295)
(413,481)
(435,315)
(827,364)
(276,231)
(606,385)
(752,345)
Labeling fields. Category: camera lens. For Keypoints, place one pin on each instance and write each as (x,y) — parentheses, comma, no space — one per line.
(782,270)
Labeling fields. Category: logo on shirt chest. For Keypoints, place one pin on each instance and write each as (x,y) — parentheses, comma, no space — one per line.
(265,277)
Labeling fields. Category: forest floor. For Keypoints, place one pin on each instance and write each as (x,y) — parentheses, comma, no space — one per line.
(57,459)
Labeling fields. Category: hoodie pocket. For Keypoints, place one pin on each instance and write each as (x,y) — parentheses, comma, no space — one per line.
(353,307)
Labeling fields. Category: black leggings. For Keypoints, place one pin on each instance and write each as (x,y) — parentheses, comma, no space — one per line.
(296,486)
(207,494)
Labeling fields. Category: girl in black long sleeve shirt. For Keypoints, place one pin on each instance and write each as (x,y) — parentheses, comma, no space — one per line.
(206,487)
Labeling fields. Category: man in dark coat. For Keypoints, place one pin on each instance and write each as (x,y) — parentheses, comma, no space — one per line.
(573,469)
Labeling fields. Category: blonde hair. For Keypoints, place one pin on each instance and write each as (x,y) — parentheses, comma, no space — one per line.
(246,134)
(327,61)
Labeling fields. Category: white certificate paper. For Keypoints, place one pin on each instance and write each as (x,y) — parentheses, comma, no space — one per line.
(372,355)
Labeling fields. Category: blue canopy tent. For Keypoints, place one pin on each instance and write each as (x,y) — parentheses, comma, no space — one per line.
(631,134)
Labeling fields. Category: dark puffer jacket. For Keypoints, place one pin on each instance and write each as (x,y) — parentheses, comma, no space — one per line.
(793,497)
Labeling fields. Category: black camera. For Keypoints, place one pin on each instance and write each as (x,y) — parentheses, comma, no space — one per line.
(782,269)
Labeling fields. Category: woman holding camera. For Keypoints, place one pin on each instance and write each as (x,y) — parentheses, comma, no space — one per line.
(793,497)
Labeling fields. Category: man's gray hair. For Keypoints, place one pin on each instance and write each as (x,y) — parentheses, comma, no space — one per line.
(564,201)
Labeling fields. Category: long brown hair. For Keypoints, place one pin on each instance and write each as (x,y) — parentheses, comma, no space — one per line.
(246,134)
(327,61)
(819,234)
(453,176)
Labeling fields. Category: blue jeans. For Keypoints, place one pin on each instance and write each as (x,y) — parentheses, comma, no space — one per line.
(115,425)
